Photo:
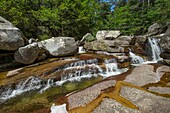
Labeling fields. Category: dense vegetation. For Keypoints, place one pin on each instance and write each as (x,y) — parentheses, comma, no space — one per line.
(45,18)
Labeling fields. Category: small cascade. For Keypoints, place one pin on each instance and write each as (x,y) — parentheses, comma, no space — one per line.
(74,71)
(156,51)
(135,59)
(32,83)
(81,49)
(112,68)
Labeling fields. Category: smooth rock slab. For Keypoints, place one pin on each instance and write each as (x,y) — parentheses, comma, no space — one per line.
(147,102)
(161,90)
(142,75)
(112,106)
(84,97)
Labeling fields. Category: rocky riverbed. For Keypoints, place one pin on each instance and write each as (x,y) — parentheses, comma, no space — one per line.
(114,73)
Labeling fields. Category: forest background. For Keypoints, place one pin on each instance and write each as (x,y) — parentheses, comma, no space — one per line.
(43,19)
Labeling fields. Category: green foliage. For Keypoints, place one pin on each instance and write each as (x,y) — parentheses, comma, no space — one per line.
(134,17)
(77,17)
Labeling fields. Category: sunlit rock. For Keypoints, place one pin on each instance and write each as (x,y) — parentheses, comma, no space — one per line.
(145,101)
(110,34)
(59,46)
(11,38)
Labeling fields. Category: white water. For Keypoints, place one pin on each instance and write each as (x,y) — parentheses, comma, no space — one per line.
(77,71)
(81,50)
(58,109)
(136,59)
(156,51)
(32,83)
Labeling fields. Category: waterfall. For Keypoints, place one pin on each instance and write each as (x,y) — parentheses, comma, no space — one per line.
(74,71)
(136,59)
(81,49)
(156,51)
(112,68)
(32,83)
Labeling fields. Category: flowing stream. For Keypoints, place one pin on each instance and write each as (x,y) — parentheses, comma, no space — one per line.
(70,72)
(155,50)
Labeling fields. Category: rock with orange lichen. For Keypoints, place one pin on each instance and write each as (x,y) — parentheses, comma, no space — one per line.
(112,106)
(86,96)
(145,101)
(161,90)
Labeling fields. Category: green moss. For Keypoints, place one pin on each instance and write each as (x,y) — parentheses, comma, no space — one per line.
(33,101)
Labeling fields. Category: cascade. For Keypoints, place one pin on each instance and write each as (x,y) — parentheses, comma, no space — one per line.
(112,68)
(156,51)
(74,71)
(32,83)
(136,59)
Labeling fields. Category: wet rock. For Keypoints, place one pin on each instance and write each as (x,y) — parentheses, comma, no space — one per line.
(107,45)
(138,40)
(147,102)
(138,44)
(165,40)
(165,55)
(165,43)
(59,46)
(165,62)
(160,90)
(101,35)
(124,64)
(11,38)
(84,97)
(112,106)
(27,54)
(142,75)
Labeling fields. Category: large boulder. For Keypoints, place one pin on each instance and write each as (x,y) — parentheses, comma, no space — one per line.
(11,38)
(154,28)
(104,34)
(107,45)
(59,46)
(165,40)
(27,54)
